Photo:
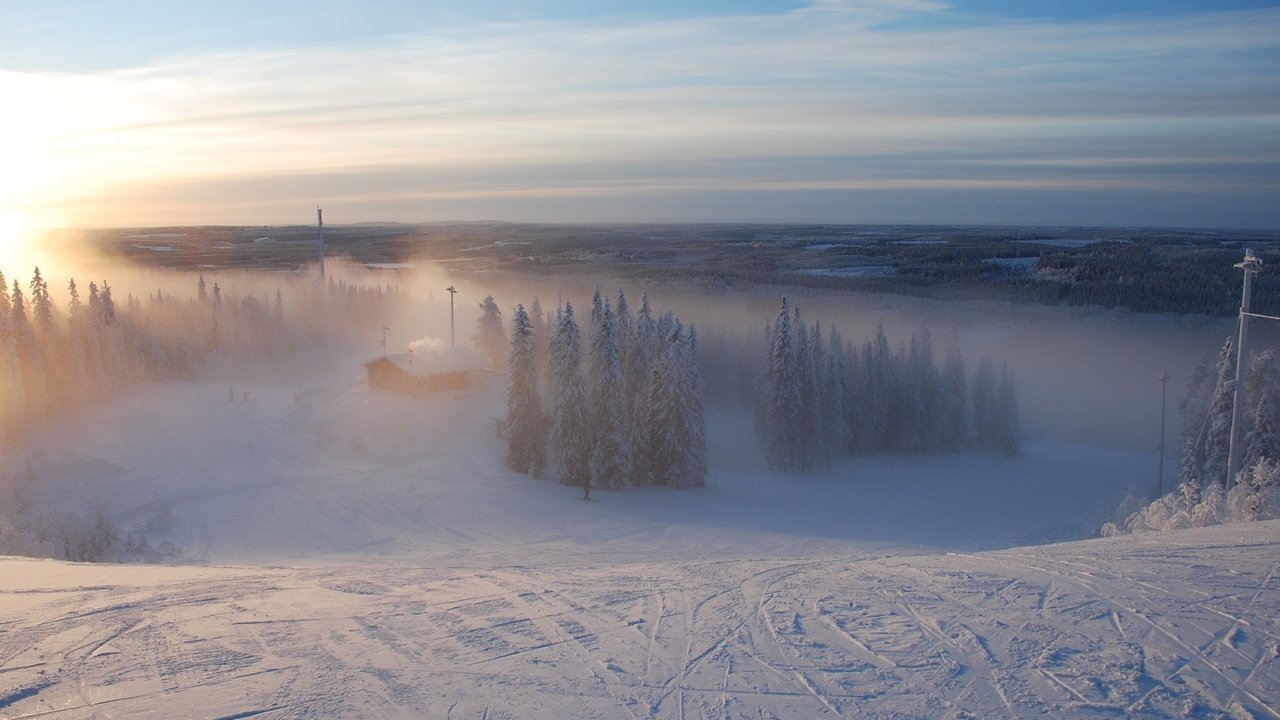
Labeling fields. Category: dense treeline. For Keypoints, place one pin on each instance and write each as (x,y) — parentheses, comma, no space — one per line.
(1143,276)
(819,398)
(53,359)
(631,414)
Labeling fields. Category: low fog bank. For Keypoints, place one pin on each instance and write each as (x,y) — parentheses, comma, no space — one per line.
(1084,375)
(268,421)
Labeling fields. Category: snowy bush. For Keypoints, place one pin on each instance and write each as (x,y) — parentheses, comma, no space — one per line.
(95,538)
(1255,496)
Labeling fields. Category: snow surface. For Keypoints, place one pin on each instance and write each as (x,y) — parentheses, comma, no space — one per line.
(378,560)
(1179,625)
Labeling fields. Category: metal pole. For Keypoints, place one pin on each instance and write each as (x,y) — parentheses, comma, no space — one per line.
(452,292)
(1250,265)
(1164,387)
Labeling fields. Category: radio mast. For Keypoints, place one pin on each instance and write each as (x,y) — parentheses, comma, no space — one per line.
(320,228)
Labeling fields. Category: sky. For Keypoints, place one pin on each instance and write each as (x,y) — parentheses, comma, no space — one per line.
(1083,112)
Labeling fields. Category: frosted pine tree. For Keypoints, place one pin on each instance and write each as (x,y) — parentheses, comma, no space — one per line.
(779,421)
(1217,438)
(1194,409)
(10,370)
(878,384)
(1005,431)
(41,304)
(526,427)
(543,332)
(638,376)
(692,391)
(1263,440)
(611,445)
(677,444)
(489,338)
(953,398)
(570,431)
(984,404)
(806,427)
(30,358)
(835,392)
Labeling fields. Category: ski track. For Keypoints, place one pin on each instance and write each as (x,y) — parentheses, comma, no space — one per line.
(1058,630)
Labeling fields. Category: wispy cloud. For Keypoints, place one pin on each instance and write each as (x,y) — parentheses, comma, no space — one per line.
(828,98)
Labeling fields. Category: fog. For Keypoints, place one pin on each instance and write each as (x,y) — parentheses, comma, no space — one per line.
(1084,375)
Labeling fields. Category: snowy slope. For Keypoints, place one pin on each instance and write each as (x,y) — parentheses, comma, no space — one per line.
(300,472)
(371,557)
(1174,625)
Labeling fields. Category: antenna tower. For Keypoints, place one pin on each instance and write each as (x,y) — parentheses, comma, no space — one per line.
(320,230)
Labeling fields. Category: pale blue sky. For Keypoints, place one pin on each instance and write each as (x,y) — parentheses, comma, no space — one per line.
(1137,112)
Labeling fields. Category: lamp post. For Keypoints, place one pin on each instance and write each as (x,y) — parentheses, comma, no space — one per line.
(452,292)
(1251,266)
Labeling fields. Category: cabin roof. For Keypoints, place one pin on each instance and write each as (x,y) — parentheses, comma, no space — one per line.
(435,362)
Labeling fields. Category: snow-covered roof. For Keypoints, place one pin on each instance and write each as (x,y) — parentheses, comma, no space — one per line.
(433,362)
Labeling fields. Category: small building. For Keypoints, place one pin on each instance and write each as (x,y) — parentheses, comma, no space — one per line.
(429,371)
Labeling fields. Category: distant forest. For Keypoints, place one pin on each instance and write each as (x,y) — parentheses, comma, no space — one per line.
(1144,270)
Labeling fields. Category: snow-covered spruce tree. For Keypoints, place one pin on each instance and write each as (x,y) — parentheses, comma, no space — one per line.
(597,308)
(30,357)
(778,425)
(878,384)
(10,369)
(1260,439)
(984,405)
(1263,440)
(626,330)
(489,338)
(611,446)
(833,423)
(806,430)
(638,376)
(41,304)
(543,331)
(953,399)
(1217,438)
(526,427)
(923,402)
(1004,426)
(693,390)
(570,432)
(677,445)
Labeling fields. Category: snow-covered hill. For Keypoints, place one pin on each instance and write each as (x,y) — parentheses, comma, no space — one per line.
(1174,625)
(352,553)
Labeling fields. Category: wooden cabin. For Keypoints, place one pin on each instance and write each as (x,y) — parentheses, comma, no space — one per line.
(430,371)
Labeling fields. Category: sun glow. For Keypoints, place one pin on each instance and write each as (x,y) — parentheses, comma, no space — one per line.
(20,233)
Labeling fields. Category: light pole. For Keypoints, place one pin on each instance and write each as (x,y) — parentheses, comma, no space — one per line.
(452,292)
(1164,386)
(1251,266)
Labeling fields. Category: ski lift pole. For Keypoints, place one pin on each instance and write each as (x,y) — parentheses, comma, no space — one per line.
(1251,265)
(452,291)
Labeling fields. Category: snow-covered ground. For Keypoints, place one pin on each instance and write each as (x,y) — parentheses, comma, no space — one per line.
(356,553)
(1183,625)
